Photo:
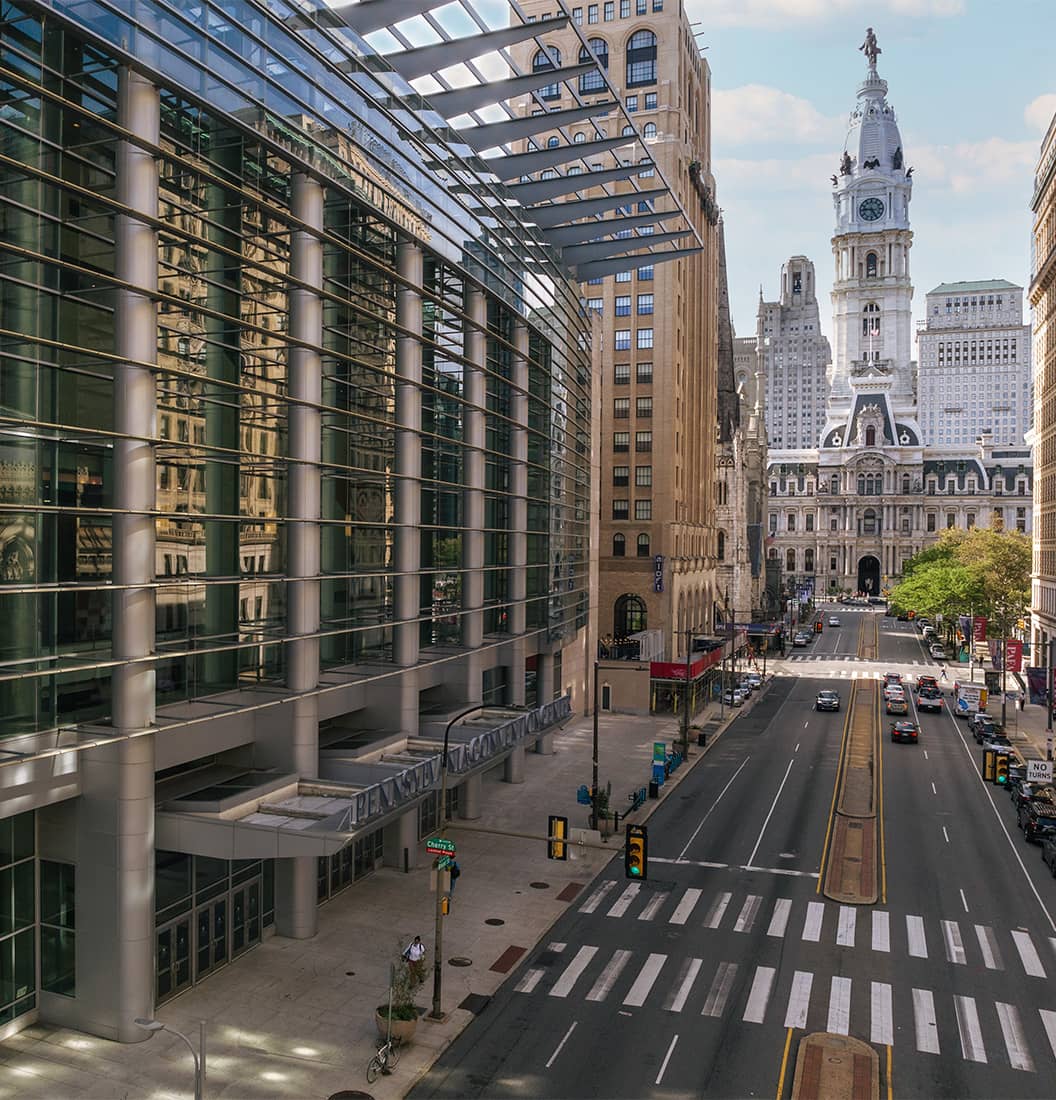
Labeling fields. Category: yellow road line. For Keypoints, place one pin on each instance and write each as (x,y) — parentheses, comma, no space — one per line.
(880,804)
(836,786)
(890,1087)
(784,1064)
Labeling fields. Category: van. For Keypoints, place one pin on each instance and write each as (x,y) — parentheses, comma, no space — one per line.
(928,633)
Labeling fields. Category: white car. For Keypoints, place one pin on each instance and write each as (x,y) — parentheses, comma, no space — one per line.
(894,691)
(733,697)
(938,653)
(834,620)
(754,679)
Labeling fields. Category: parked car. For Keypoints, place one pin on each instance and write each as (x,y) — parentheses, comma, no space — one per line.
(733,697)
(980,725)
(746,687)
(903,617)
(1037,820)
(1032,792)
(896,704)
(1048,853)
(834,620)
(929,699)
(1017,776)
(937,653)
(754,679)
(996,741)
(905,731)
(827,700)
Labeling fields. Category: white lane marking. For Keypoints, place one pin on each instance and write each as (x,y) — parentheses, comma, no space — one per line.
(840,1006)
(690,862)
(596,898)
(882,1028)
(927,1031)
(644,982)
(799,999)
(881,931)
(779,921)
(812,922)
(667,1058)
(720,989)
(654,905)
(762,983)
(968,1025)
(926,757)
(1028,953)
(685,906)
(607,978)
(918,944)
(746,917)
(933,791)
(845,927)
(796,749)
(563,985)
(780,871)
(717,911)
(1048,1021)
(623,902)
(946,834)
(712,807)
(964,901)
(773,806)
(988,946)
(676,1000)
(951,936)
(1015,1041)
(560,1046)
(529,981)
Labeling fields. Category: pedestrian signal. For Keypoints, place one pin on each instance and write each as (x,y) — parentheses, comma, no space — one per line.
(557,838)
(636,852)
(1001,768)
(989,761)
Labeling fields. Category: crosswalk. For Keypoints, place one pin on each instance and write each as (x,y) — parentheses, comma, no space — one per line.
(983,1031)
(876,930)
(850,658)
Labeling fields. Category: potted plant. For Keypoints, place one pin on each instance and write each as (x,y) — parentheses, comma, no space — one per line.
(605,821)
(398,1016)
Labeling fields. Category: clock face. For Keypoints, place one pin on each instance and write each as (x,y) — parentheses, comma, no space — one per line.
(871,209)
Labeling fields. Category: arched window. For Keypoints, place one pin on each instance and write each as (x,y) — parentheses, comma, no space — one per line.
(870,436)
(870,265)
(772,554)
(869,524)
(552,142)
(594,81)
(643,545)
(790,560)
(619,545)
(641,59)
(721,551)
(649,130)
(579,138)
(808,560)
(629,616)
(540,63)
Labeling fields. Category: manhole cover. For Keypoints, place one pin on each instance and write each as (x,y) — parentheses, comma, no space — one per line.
(539,885)
(496,921)
(459,960)
(350,1094)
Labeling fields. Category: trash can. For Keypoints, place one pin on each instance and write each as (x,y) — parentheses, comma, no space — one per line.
(702,738)
(654,789)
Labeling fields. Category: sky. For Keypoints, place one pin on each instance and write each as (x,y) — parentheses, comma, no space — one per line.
(972,83)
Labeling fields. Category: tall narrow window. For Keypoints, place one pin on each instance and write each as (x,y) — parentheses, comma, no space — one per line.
(641,59)
(594,81)
(548,59)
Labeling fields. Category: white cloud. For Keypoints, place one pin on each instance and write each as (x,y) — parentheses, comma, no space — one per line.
(770,176)
(759,113)
(1038,112)
(974,167)
(773,13)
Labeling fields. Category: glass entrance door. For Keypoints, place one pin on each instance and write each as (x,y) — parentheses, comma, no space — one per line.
(173,958)
(245,916)
(211,938)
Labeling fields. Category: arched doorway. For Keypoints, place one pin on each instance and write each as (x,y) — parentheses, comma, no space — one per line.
(629,616)
(869,575)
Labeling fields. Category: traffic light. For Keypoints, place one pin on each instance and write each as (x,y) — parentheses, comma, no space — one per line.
(989,760)
(1001,768)
(636,853)
(556,838)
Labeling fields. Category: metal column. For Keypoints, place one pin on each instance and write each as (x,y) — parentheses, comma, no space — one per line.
(474,393)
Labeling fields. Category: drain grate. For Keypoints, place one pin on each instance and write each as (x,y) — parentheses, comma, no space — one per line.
(539,885)
(494,921)
(459,960)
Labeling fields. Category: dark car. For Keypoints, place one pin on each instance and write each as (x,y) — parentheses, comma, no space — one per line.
(903,617)
(927,682)
(1048,853)
(1033,792)
(1017,776)
(1037,820)
(982,726)
(998,742)
(929,699)
(827,700)
(892,678)
(905,731)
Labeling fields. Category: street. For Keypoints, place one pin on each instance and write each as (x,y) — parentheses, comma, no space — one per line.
(701,980)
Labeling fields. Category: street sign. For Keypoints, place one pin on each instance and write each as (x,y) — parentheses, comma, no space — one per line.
(443,863)
(440,846)
(659,751)
(1039,771)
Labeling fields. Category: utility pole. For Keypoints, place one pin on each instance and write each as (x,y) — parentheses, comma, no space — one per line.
(594,824)
(686,697)
(1048,695)
(1004,674)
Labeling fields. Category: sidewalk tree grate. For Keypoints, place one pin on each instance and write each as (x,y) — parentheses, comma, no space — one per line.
(459,960)
(506,961)
(495,921)
(570,891)
(539,885)
(475,1003)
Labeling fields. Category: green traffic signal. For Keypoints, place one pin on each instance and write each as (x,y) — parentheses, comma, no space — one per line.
(1001,768)
(636,853)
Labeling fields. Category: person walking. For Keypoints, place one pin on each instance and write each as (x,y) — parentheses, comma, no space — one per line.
(943,673)
(414,953)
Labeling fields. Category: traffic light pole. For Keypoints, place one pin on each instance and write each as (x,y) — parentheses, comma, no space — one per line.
(594,823)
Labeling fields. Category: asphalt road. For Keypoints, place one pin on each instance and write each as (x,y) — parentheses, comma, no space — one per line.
(696,982)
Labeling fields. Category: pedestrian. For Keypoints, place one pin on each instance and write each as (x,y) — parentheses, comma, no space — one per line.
(455,872)
(414,953)
(943,673)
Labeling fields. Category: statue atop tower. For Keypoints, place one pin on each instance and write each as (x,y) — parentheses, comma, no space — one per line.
(870,48)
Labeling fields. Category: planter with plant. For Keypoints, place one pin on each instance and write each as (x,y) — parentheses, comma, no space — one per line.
(397,1018)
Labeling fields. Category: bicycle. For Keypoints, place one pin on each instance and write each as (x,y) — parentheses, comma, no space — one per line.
(384,1061)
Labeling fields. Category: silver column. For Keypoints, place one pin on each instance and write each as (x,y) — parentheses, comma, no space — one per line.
(519,481)
(475,348)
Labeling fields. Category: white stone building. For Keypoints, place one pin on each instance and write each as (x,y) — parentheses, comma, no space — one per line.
(974,371)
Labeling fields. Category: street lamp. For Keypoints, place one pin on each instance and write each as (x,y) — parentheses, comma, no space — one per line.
(438,938)
(154,1026)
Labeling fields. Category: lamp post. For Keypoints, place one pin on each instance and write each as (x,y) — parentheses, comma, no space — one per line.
(594,787)
(154,1026)
(438,937)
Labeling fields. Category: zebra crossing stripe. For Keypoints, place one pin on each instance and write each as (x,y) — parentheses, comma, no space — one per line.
(686,977)
(746,918)
(717,911)
(595,899)
(720,989)
(685,906)
(654,905)
(563,986)
(644,982)
(839,1006)
(968,1026)
(607,979)
(988,946)
(779,921)
(882,1028)
(918,944)
(845,927)
(759,995)
(951,935)
(924,1023)
(812,923)
(1028,954)
(881,930)
(529,981)
(623,902)
(1015,1041)
(799,999)
(1048,1021)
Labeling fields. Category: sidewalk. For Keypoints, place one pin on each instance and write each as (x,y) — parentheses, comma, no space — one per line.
(295,1018)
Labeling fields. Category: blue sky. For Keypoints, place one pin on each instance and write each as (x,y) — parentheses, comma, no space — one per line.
(974,87)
